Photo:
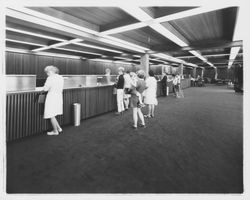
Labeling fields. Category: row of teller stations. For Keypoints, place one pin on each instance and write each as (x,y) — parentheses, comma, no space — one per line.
(24,115)
(15,83)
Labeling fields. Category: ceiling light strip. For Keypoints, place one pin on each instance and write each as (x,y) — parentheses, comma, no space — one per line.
(46,20)
(238,34)
(96,47)
(124,28)
(77,51)
(23,42)
(57,45)
(34,34)
(42,53)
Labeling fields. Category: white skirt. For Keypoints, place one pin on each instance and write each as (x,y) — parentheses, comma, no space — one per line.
(53,105)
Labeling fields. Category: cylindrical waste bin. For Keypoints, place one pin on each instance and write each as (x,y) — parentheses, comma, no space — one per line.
(77,114)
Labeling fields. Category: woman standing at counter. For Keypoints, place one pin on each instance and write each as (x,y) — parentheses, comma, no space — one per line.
(150,94)
(140,87)
(54,99)
(120,91)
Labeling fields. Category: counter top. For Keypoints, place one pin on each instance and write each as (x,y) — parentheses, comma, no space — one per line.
(38,89)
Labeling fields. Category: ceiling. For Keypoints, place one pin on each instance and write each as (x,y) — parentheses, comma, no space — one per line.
(194,36)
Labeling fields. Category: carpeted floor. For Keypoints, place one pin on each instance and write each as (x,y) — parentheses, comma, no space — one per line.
(193,145)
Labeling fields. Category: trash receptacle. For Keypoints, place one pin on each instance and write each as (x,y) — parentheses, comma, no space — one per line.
(77,114)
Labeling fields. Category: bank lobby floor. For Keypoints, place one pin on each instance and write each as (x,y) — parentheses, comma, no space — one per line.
(193,145)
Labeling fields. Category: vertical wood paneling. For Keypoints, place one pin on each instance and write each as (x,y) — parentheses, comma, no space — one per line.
(18,63)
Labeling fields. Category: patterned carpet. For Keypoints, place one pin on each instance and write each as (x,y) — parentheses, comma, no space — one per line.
(193,145)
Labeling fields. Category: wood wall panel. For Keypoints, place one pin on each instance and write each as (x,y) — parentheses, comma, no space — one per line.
(20,63)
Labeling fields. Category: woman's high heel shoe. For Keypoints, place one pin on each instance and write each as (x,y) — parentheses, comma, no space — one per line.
(59,130)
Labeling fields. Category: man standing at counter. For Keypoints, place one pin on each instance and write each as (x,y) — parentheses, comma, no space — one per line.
(164,84)
(120,91)
(54,99)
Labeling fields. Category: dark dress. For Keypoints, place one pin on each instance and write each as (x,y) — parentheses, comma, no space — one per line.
(134,100)
(164,85)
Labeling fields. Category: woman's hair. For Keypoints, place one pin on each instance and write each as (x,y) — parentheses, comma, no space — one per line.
(141,74)
(107,70)
(121,69)
(133,74)
(52,69)
(151,73)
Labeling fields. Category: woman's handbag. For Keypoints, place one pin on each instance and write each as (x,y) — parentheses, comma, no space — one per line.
(41,98)
(114,90)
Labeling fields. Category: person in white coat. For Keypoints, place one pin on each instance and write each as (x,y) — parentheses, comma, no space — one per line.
(54,98)
(150,94)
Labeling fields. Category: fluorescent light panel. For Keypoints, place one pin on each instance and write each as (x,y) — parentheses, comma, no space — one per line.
(195,53)
(50,18)
(124,28)
(57,45)
(126,44)
(43,53)
(96,47)
(137,13)
(34,34)
(166,33)
(26,14)
(233,54)
(23,42)
(72,50)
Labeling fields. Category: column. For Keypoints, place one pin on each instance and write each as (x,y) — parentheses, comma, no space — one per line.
(181,70)
(202,72)
(216,73)
(194,72)
(145,63)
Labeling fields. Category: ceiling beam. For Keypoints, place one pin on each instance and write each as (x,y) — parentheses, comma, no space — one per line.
(144,21)
(56,45)
(67,27)
(66,17)
(201,46)
(141,15)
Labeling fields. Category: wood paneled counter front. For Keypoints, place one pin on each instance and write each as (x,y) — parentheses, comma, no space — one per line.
(24,114)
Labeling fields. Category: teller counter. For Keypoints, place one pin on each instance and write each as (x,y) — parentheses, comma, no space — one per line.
(24,114)
(185,83)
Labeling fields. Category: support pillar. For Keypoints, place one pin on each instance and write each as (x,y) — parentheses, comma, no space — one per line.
(202,72)
(145,63)
(194,72)
(181,70)
(216,73)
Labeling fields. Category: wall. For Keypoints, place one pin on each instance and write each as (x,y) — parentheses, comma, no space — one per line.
(209,73)
(222,73)
(20,63)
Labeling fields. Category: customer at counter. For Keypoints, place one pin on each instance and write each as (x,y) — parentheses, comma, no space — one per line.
(134,103)
(150,94)
(175,84)
(164,84)
(54,99)
(120,91)
(127,86)
(107,74)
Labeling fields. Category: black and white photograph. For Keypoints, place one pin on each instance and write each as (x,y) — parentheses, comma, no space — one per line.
(126,98)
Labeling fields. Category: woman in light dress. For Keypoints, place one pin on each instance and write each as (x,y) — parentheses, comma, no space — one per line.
(54,98)
(150,94)
(135,103)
